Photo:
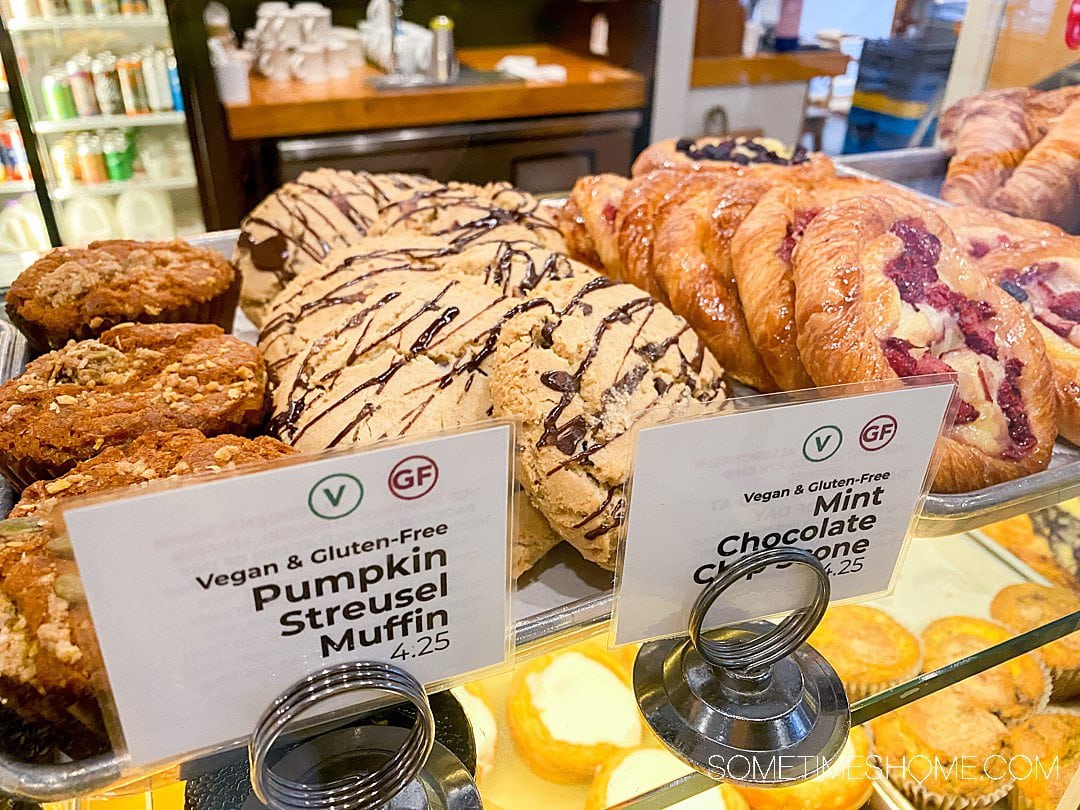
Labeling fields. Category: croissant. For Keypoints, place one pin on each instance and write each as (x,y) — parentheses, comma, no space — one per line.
(1044,184)
(588,221)
(1045,108)
(1042,277)
(989,134)
(762,157)
(692,267)
(983,231)
(882,291)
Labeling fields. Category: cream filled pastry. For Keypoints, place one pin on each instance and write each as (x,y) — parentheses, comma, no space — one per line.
(485,729)
(639,770)
(570,711)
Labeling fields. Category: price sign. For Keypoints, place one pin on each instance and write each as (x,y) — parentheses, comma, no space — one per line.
(839,477)
(210,598)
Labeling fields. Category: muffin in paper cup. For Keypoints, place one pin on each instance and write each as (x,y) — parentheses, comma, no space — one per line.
(1048,737)
(945,752)
(869,650)
(80,293)
(1028,605)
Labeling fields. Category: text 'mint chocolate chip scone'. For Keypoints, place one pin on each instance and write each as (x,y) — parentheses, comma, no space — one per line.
(580,374)
(70,404)
(883,291)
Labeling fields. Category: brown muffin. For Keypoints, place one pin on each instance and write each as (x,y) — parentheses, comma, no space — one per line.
(78,293)
(72,403)
(50,664)
(1027,605)
(1012,691)
(1046,739)
(945,752)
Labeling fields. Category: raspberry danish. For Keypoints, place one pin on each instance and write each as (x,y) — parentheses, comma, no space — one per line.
(1045,278)
(883,291)
(588,225)
(982,231)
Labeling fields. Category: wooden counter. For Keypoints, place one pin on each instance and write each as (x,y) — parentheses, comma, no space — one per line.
(766,68)
(285,109)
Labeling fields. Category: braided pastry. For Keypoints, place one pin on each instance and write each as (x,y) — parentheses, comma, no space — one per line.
(587,221)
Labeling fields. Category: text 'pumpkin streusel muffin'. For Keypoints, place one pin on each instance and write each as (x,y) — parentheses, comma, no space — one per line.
(47,642)
(70,404)
(581,373)
(78,293)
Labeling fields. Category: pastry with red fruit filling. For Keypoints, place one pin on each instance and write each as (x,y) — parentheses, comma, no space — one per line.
(883,291)
(1045,279)
(981,232)
(587,222)
(761,262)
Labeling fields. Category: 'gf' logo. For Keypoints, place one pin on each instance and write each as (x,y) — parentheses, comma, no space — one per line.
(413,477)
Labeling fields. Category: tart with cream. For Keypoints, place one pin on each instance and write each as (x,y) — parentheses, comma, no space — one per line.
(639,770)
(883,292)
(569,712)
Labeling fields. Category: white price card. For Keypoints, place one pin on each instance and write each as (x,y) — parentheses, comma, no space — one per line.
(210,599)
(839,477)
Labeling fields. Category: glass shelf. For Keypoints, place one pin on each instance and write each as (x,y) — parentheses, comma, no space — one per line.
(158,119)
(120,186)
(12,187)
(80,23)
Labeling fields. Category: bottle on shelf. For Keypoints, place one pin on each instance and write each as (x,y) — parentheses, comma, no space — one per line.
(107,84)
(13,158)
(83,90)
(118,158)
(91,158)
(65,162)
(56,91)
(145,214)
(133,84)
(22,228)
(130,8)
(89,218)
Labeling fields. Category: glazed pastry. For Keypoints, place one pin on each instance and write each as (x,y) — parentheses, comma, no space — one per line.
(926,742)
(463,213)
(580,374)
(588,222)
(1050,740)
(692,266)
(1043,185)
(569,712)
(869,650)
(1045,278)
(1011,691)
(631,773)
(71,404)
(299,224)
(765,158)
(988,135)
(78,293)
(1026,606)
(882,291)
(846,785)
(1045,108)
(981,231)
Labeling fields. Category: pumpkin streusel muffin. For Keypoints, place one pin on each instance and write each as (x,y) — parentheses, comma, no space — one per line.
(72,403)
(1028,605)
(78,293)
(50,665)
(1012,691)
(945,751)
(869,650)
(1051,743)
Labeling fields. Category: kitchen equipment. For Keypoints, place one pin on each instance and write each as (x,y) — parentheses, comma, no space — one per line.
(308,63)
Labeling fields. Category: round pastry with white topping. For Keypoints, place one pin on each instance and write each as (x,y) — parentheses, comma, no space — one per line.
(580,374)
(882,292)
(631,773)
(72,403)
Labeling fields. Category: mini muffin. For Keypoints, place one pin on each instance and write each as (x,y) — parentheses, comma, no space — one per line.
(631,773)
(1027,605)
(869,650)
(846,785)
(78,293)
(1012,691)
(72,403)
(1049,742)
(50,665)
(569,712)
(928,748)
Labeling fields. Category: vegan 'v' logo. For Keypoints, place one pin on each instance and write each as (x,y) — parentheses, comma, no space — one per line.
(335,496)
(822,443)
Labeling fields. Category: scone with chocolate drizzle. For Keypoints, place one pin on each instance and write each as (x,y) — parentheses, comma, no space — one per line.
(300,223)
(580,373)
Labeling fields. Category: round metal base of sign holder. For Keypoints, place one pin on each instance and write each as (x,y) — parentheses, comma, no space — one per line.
(358,768)
(751,703)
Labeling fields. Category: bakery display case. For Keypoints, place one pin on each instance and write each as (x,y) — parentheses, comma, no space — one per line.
(356,309)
